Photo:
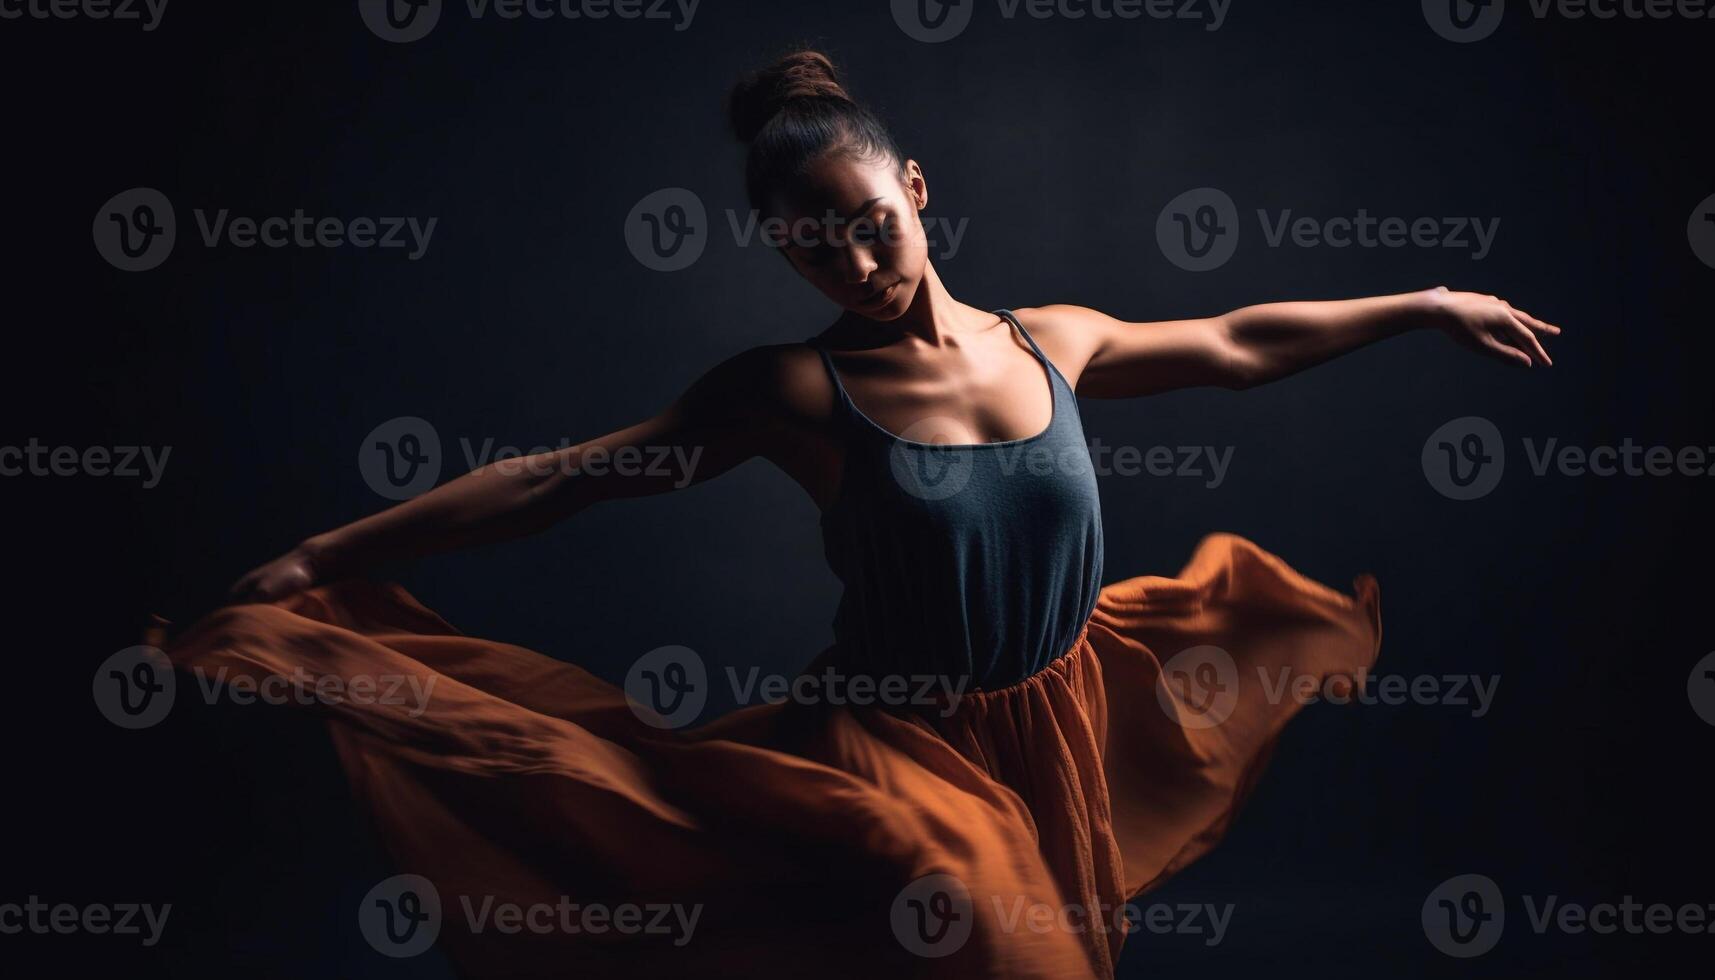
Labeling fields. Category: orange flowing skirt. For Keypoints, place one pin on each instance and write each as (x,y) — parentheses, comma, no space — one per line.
(782,839)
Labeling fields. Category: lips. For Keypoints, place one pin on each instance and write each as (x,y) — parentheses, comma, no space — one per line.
(878,297)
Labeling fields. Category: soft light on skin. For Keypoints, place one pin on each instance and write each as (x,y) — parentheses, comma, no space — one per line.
(853,227)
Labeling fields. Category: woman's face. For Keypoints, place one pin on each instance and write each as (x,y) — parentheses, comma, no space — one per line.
(852,229)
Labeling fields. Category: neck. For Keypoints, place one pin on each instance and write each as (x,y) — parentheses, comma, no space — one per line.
(934,316)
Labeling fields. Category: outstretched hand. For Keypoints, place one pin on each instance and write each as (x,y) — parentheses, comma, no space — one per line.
(1493,326)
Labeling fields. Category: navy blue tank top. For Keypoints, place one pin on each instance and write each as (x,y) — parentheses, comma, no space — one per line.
(979,562)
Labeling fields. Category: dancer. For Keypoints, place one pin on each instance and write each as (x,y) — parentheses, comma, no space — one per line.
(1060,766)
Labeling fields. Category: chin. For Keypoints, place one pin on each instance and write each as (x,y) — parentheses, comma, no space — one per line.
(893,308)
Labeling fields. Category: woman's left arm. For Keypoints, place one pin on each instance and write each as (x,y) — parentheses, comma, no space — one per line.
(1258,344)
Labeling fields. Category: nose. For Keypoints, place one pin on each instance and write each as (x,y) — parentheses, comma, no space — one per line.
(859,265)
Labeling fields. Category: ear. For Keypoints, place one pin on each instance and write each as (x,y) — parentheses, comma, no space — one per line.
(916,185)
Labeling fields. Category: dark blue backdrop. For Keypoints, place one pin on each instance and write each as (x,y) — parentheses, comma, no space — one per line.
(527,320)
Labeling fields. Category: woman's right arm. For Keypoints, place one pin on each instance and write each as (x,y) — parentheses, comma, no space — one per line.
(729,415)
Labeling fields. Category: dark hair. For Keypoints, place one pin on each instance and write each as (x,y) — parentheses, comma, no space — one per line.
(794,112)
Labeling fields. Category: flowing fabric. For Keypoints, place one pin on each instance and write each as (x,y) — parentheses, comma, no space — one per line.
(833,840)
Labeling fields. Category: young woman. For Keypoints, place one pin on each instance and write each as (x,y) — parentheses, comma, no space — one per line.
(1001,833)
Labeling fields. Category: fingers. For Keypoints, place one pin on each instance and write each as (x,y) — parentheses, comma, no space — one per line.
(1529,342)
(1513,337)
(245,590)
(1521,332)
(1535,324)
(1513,354)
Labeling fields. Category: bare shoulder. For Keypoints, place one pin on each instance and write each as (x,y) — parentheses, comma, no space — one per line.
(774,382)
(1069,335)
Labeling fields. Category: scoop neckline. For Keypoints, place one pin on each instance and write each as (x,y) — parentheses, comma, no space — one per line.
(1053,403)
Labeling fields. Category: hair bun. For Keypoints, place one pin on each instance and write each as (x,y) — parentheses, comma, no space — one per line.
(759,95)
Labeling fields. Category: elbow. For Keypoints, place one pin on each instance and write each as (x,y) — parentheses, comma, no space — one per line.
(1242,365)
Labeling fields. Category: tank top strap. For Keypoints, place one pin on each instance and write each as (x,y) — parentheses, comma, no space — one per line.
(1011,318)
(842,401)
(1027,337)
(1054,375)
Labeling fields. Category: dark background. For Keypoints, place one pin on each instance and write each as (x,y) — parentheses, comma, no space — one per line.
(528,321)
